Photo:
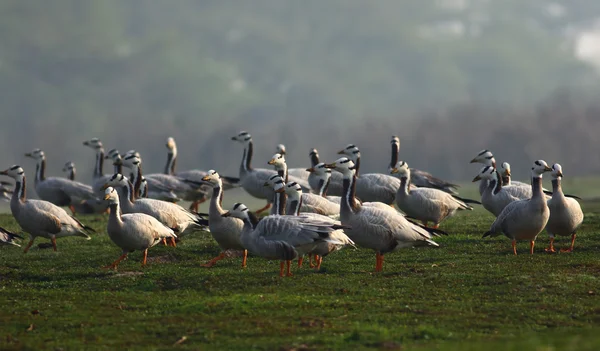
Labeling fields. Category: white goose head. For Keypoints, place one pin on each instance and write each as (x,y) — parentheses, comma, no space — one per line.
(343,165)
(487,173)
(113,154)
(116,179)
(401,170)
(505,169)
(171,145)
(110,195)
(15,172)
(242,137)
(276,182)
(238,210)
(485,157)
(36,154)
(395,140)
(132,160)
(556,171)
(321,170)
(69,167)
(293,190)
(538,168)
(281,149)
(351,151)
(93,143)
(278,160)
(212,177)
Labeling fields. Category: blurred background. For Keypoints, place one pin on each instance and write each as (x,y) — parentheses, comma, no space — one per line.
(450,77)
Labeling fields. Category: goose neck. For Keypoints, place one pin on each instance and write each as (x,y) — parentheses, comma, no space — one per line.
(348,203)
(40,170)
(99,165)
(314,159)
(216,201)
(279,201)
(171,162)
(395,152)
(246,164)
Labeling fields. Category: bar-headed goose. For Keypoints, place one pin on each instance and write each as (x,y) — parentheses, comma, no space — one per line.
(426,204)
(524,219)
(278,162)
(317,178)
(282,237)
(496,197)
(133,231)
(8,238)
(98,176)
(70,169)
(299,173)
(374,228)
(172,215)
(420,178)
(39,217)
(59,191)
(486,158)
(309,203)
(279,200)
(225,230)
(96,205)
(565,213)
(371,187)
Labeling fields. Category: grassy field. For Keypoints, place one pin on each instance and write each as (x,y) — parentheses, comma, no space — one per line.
(469,294)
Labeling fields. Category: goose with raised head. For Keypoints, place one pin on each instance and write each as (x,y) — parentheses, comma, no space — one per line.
(320,181)
(172,215)
(371,187)
(225,230)
(496,197)
(278,162)
(282,237)
(310,203)
(426,204)
(420,178)
(117,160)
(374,228)
(299,173)
(507,180)
(59,191)
(39,217)
(486,158)
(90,206)
(279,200)
(98,176)
(70,169)
(133,231)
(566,215)
(524,219)
(8,238)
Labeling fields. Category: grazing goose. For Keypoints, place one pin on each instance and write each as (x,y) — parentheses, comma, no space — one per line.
(253,179)
(420,178)
(374,228)
(133,231)
(322,176)
(282,237)
(172,215)
(160,186)
(316,179)
(426,204)
(5,191)
(8,238)
(496,197)
(59,191)
(565,213)
(310,203)
(299,173)
(372,187)
(85,206)
(39,217)
(486,158)
(278,161)
(524,219)
(225,230)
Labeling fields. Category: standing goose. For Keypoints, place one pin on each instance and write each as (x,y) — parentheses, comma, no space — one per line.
(299,173)
(374,228)
(279,200)
(316,179)
(39,217)
(225,230)
(486,158)
(98,176)
(420,178)
(371,187)
(281,237)
(565,213)
(59,191)
(496,197)
(525,219)
(310,203)
(172,215)
(253,179)
(8,238)
(426,204)
(90,206)
(278,161)
(506,180)
(133,231)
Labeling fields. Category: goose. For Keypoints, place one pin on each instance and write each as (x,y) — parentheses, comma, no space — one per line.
(506,180)
(115,156)
(278,161)
(225,230)
(59,191)
(276,183)
(98,176)
(70,169)
(374,228)
(294,208)
(133,231)
(39,217)
(420,178)
(496,197)
(8,238)
(316,178)
(426,204)
(371,187)
(566,215)
(5,191)
(85,206)
(322,176)
(172,215)
(310,203)
(486,158)
(524,219)
(253,179)
(282,237)
(299,173)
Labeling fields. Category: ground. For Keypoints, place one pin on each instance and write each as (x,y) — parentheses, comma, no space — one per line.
(468,294)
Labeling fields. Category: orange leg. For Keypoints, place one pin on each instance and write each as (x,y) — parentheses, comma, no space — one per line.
(300,260)
(72,208)
(172,241)
(531,245)
(514,246)
(164,242)
(551,247)
(289,271)
(570,249)
(214,260)
(28,245)
(145,257)
(380,262)
(268,206)
(116,263)
(53,240)
(281,268)
(310,260)
(319,260)
(245,258)
(377,262)
(436,226)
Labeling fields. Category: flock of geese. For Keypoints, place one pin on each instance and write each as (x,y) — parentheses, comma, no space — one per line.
(312,211)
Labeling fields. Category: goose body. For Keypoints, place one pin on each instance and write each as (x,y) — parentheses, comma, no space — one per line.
(496,196)
(309,203)
(91,206)
(524,219)
(38,217)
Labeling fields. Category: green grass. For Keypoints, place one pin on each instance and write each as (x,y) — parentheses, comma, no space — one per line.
(469,294)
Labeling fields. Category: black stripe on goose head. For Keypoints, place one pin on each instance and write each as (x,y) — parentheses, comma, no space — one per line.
(483,152)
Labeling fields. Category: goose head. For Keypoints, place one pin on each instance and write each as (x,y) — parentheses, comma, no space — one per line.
(395,140)
(321,170)
(93,143)
(401,170)
(69,167)
(15,172)
(110,195)
(113,154)
(238,210)
(351,151)
(486,157)
(212,177)
(171,145)
(539,167)
(505,169)
(36,154)
(276,182)
(281,149)
(132,160)
(293,190)
(278,160)
(242,137)
(487,173)
(343,165)
(313,152)
(116,179)
(556,171)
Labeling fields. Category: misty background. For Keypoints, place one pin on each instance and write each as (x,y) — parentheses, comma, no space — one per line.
(450,77)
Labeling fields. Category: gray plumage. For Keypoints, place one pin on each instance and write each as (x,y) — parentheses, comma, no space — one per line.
(98,176)
(309,203)
(8,238)
(299,173)
(321,181)
(496,197)
(91,206)
(280,165)
(6,191)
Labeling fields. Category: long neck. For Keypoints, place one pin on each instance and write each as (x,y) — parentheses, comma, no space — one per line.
(115,214)
(357,164)
(557,187)
(247,157)
(283,172)
(126,197)
(137,179)
(314,159)
(395,152)
(536,186)
(118,165)
(99,167)
(496,183)
(348,203)
(404,185)
(71,174)
(294,206)
(19,192)
(171,161)
(505,180)
(40,170)
(279,203)
(216,200)
(323,186)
